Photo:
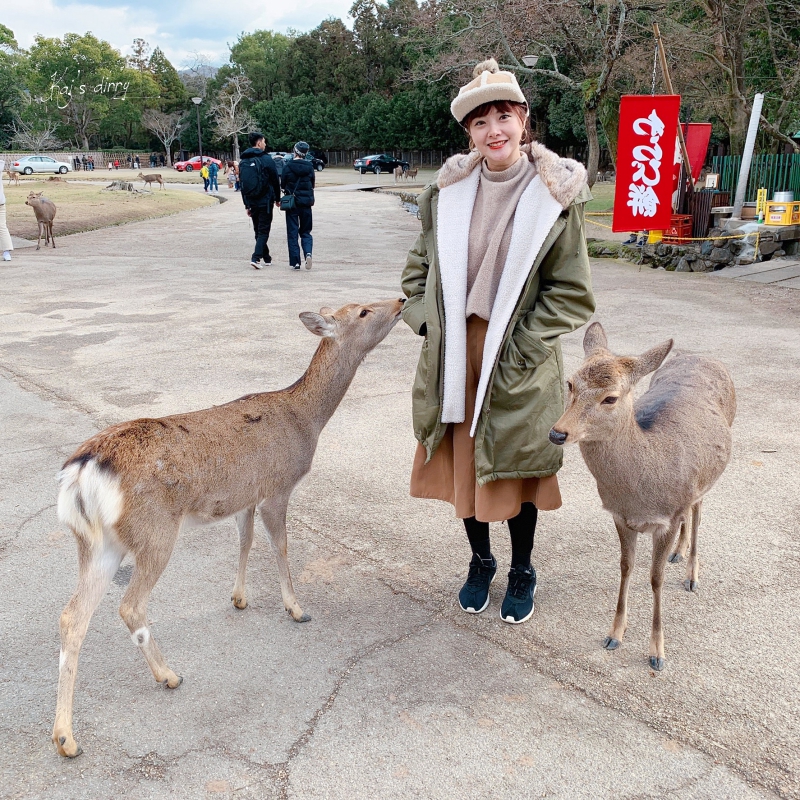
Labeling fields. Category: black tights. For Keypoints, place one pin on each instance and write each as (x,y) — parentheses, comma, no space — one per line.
(522,527)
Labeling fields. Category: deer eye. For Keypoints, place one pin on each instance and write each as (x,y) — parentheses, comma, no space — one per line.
(610,400)
(364,313)
(569,386)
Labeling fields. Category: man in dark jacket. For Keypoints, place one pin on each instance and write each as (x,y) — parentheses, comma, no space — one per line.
(298,179)
(260,190)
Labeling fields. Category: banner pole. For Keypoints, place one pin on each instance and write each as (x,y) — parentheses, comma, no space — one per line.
(668,82)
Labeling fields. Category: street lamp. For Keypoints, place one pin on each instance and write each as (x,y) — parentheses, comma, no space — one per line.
(530,61)
(197,101)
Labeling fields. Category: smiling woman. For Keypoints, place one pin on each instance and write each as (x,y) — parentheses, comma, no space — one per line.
(492,299)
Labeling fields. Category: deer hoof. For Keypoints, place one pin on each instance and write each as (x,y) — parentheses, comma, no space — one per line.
(303,618)
(690,585)
(172,683)
(239,602)
(610,643)
(657,663)
(675,558)
(67,746)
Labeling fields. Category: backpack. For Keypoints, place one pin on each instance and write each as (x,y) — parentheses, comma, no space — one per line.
(252,178)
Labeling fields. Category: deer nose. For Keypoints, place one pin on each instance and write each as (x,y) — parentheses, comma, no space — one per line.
(401,299)
(556,437)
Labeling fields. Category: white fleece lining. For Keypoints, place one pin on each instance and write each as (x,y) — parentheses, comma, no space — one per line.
(452,234)
(536,213)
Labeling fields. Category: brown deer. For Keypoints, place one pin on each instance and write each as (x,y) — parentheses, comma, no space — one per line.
(654,459)
(411,173)
(398,172)
(152,178)
(45,211)
(12,176)
(129,488)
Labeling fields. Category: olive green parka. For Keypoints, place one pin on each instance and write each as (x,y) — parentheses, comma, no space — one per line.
(545,292)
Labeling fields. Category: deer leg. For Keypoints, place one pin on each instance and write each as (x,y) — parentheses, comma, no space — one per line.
(39,240)
(53,238)
(661,547)
(274,519)
(683,543)
(693,564)
(627,542)
(244,524)
(96,568)
(133,609)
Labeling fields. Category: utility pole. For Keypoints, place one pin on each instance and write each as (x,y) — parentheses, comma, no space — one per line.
(197,101)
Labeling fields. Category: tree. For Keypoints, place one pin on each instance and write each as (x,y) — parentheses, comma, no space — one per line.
(261,56)
(166,127)
(10,84)
(172,92)
(230,115)
(36,137)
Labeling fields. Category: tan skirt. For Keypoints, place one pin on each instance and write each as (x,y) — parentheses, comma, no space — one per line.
(5,236)
(450,474)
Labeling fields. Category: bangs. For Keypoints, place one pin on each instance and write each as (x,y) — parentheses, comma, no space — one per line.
(503,106)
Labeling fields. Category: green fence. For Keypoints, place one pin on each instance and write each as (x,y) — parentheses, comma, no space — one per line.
(773,173)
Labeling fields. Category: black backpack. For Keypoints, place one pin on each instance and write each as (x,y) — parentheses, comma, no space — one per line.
(252,178)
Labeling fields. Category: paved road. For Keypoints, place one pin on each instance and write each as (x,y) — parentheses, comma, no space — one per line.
(389,691)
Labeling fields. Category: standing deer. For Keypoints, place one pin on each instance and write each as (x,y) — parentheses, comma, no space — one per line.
(654,459)
(411,174)
(45,211)
(152,178)
(398,172)
(129,488)
(12,176)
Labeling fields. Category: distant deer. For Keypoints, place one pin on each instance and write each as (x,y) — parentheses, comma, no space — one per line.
(411,173)
(152,178)
(129,488)
(45,211)
(12,176)
(399,171)
(654,459)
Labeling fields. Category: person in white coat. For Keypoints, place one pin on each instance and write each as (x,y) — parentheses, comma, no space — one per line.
(5,237)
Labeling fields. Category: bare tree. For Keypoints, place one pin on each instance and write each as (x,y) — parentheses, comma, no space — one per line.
(230,116)
(35,136)
(166,127)
(588,35)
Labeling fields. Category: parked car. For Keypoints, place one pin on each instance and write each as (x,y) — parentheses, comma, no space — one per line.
(382,162)
(194,163)
(316,162)
(27,165)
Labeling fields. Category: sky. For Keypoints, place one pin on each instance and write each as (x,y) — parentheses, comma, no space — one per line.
(179,27)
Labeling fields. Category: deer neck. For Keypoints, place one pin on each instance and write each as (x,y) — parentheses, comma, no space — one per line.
(318,393)
(625,442)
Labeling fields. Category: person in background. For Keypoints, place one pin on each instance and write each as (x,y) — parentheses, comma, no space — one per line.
(232,175)
(162,160)
(258,180)
(204,176)
(213,172)
(136,164)
(299,180)
(5,237)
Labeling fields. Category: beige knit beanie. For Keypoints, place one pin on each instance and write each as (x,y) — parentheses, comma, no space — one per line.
(489,83)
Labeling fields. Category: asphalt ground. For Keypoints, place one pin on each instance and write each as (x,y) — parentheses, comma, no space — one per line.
(390,690)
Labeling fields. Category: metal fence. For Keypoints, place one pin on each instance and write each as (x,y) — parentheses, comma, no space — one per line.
(775,173)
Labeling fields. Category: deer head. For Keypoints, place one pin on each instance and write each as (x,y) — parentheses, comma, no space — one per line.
(601,391)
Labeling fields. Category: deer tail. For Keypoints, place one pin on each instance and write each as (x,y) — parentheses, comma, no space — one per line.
(90,499)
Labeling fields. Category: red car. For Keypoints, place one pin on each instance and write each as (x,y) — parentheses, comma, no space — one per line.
(194,163)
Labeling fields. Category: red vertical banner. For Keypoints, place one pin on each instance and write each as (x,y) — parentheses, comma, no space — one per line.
(648,128)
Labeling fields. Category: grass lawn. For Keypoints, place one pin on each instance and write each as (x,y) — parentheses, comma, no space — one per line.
(83,207)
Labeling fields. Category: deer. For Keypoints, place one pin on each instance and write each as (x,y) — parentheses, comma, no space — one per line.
(654,458)
(12,176)
(398,172)
(152,178)
(411,174)
(45,211)
(130,488)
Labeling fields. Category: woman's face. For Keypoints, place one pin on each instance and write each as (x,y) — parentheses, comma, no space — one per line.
(496,136)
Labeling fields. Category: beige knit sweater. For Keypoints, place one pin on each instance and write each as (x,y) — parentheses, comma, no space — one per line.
(490,232)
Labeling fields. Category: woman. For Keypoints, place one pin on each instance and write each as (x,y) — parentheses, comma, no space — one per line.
(5,237)
(492,299)
(298,179)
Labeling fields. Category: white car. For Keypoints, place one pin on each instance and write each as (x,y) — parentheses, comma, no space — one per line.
(27,165)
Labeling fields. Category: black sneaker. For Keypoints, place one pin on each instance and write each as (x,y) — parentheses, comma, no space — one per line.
(474,595)
(295,266)
(518,602)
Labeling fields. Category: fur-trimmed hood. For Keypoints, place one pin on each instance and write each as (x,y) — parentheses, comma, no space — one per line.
(563,177)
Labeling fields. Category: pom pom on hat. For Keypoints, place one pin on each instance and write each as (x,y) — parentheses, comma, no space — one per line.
(489,84)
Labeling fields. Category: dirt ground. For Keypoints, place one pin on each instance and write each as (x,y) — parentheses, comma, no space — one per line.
(88,207)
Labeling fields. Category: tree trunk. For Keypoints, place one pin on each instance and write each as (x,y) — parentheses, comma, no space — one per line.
(236,147)
(85,142)
(593,156)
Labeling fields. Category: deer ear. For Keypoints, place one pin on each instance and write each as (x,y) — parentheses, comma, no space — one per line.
(594,339)
(317,324)
(326,310)
(649,361)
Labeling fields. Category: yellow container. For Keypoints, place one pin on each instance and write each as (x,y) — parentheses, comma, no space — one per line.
(782,213)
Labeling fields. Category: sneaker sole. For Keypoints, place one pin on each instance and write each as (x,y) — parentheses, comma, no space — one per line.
(512,621)
(255,266)
(308,263)
(471,610)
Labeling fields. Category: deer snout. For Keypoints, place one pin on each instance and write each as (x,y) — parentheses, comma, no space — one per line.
(557,437)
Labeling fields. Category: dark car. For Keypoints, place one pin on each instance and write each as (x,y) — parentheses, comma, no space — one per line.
(382,162)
